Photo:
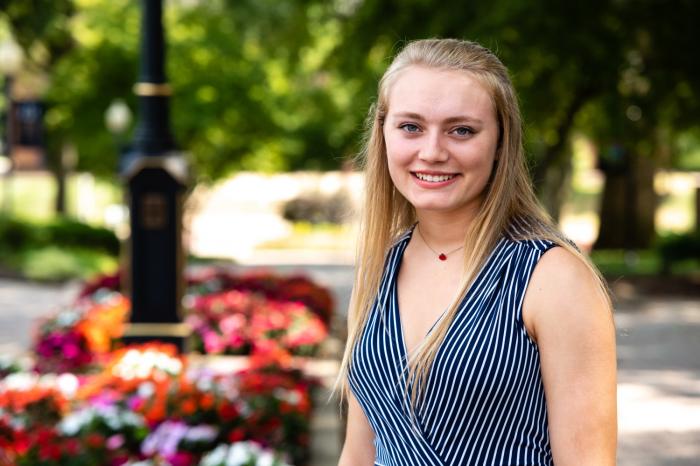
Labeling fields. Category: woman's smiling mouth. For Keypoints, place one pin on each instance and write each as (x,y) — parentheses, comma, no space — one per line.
(433,178)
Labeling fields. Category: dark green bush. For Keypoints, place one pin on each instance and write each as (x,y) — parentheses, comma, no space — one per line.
(17,234)
(68,232)
(679,247)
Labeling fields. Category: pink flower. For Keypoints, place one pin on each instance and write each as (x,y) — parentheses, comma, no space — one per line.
(71,350)
(115,441)
(213,343)
(233,324)
(180,458)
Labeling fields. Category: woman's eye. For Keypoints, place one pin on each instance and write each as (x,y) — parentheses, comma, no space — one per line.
(462,131)
(409,127)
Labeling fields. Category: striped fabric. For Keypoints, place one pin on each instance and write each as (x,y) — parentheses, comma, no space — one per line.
(484,402)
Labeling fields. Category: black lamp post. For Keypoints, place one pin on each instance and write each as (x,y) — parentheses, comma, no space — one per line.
(156,175)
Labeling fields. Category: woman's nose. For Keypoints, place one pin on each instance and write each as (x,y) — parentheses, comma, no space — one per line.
(432,149)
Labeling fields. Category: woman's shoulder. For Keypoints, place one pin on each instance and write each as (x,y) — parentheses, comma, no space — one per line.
(540,245)
(535,235)
(563,279)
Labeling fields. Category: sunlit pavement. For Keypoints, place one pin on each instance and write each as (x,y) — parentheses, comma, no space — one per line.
(659,382)
(658,358)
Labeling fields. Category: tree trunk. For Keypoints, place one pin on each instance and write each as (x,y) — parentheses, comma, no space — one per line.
(60,205)
(552,172)
(56,165)
(554,188)
(628,205)
(554,153)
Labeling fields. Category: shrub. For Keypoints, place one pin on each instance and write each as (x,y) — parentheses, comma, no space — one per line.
(61,232)
(15,234)
(677,248)
(69,232)
(316,208)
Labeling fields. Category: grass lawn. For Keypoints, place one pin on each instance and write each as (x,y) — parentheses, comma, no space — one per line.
(52,263)
(621,263)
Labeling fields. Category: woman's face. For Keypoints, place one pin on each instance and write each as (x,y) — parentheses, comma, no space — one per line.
(441,137)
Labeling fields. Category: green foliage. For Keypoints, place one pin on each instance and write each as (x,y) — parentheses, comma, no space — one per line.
(69,232)
(53,263)
(270,85)
(621,263)
(18,234)
(678,248)
(14,234)
(674,254)
(56,250)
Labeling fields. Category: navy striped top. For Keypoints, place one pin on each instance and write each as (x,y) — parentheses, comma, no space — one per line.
(484,400)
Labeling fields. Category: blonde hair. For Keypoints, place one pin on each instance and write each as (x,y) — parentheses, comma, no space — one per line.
(509,199)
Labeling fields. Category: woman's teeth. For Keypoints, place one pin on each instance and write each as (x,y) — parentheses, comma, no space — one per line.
(434,178)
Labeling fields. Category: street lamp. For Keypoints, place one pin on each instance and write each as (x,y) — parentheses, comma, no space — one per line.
(11,57)
(117,117)
(157,175)
(117,120)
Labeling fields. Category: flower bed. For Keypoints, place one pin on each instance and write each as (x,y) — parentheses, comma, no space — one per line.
(76,337)
(262,315)
(293,288)
(147,406)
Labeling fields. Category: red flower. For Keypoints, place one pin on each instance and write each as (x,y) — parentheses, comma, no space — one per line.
(95,440)
(228,411)
(72,446)
(236,435)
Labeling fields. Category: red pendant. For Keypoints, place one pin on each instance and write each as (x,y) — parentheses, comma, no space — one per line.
(442,257)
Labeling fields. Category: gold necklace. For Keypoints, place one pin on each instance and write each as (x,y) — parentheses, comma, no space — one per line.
(440,255)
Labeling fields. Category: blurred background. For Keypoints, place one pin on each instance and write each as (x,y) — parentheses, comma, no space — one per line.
(269,101)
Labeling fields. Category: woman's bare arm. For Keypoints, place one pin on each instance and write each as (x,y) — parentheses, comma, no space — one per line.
(568,316)
(358,449)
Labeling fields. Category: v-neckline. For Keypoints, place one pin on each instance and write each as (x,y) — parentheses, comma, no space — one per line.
(394,293)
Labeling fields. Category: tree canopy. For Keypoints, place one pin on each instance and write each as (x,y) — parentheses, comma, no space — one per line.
(264,84)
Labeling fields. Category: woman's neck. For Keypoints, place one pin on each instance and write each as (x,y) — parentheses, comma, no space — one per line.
(443,231)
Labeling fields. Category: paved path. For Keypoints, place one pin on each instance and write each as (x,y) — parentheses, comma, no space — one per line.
(658,354)
(659,383)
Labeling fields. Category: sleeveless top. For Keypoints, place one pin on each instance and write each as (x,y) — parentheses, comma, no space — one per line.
(484,401)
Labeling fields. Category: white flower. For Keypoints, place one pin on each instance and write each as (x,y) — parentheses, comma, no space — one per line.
(216,457)
(140,364)
(67,384)
(238,454)
(20,381)
(290,396)
(114,417)
(74,422)
(146,390)
(67,318)
(265,459)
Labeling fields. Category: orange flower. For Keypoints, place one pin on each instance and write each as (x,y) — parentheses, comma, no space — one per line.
(207,401)
(188,407)
(104,323)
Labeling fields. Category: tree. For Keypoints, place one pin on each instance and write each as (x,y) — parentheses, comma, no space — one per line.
(41,27)
(638,123)
(263,84)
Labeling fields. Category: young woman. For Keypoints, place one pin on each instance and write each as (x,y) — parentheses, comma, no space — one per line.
(478,335)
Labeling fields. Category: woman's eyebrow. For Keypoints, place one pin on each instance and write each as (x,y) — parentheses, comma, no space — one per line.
(453,119)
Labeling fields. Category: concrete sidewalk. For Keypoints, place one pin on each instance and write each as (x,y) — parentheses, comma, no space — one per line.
(658,356)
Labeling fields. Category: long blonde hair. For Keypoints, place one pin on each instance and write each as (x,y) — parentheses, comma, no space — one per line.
(509,198)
